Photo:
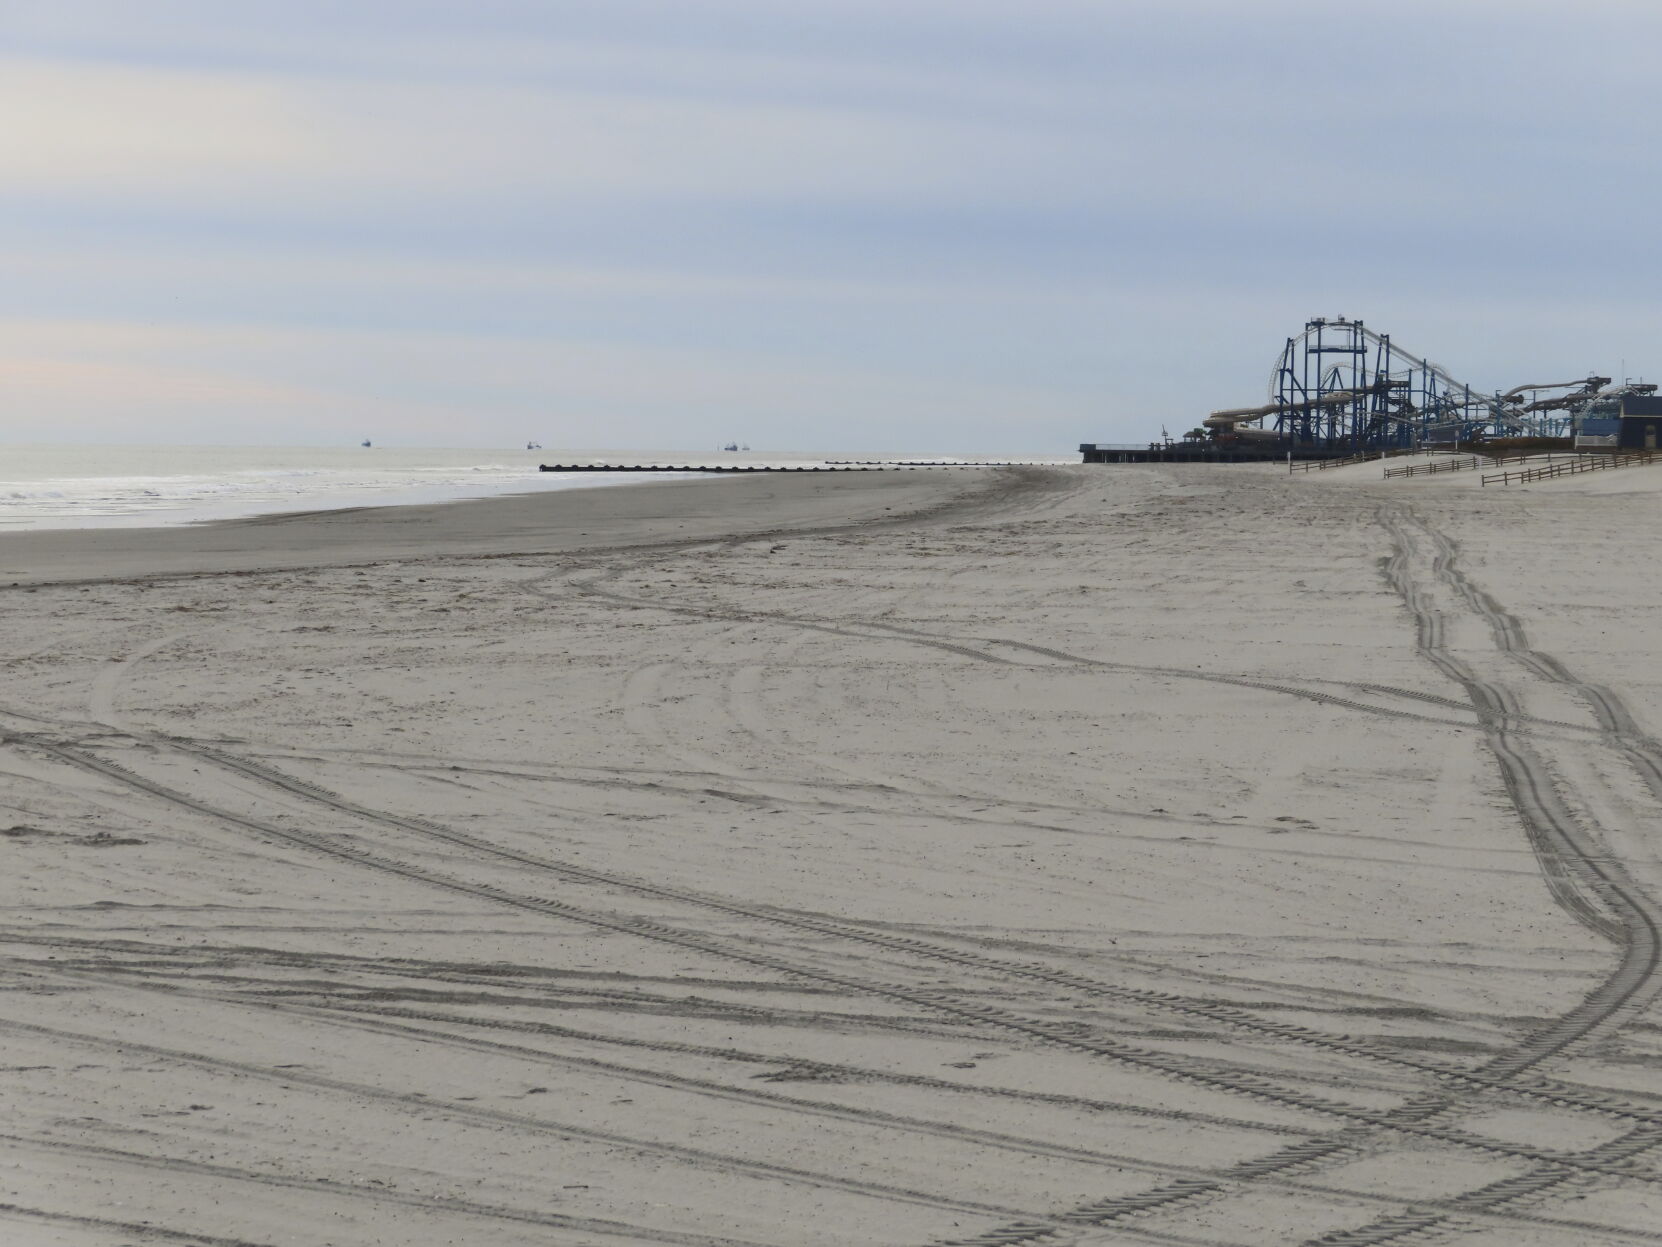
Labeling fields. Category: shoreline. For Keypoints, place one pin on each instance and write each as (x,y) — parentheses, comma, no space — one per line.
(49,488)
(532,522)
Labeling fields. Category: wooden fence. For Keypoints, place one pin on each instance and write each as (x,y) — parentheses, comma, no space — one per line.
(1321,465)
(1460,464)
(1574,467)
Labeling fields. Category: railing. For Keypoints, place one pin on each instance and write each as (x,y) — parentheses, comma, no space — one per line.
(1573,467)
(1526,457)
(1366,456)
(1321,465)
(1436,465)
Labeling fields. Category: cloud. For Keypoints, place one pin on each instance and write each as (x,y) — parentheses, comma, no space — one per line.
(82,128)
(453,389)
(951,220)
(173,135)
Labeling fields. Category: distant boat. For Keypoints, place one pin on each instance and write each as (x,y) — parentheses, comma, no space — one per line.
(533,445)
(731,446)
(366,441)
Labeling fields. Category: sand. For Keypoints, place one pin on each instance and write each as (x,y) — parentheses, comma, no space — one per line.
(1074,855)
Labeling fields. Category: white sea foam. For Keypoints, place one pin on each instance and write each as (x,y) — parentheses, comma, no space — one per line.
(100,487)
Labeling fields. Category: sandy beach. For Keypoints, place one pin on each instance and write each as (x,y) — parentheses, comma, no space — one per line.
(1084,855)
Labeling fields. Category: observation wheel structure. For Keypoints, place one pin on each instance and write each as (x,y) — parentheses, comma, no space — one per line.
(1340,385)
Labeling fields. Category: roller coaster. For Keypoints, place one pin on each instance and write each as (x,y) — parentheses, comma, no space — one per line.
(1339,387)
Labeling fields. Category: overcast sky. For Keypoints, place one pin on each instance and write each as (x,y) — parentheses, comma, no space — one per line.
(805,224)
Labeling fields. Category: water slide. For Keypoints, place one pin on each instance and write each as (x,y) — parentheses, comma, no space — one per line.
(1516,393)
(1231,419)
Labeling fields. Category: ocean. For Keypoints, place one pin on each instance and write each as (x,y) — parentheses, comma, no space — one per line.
(146,486)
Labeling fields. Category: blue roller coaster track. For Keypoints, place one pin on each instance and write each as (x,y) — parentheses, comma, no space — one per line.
(1341,386)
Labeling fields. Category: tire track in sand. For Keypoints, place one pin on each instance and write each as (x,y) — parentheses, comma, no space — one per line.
(996,1140)
(1232,1018)
(1064,1035)
(1582,880)
(445,1205)
(1597,879)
